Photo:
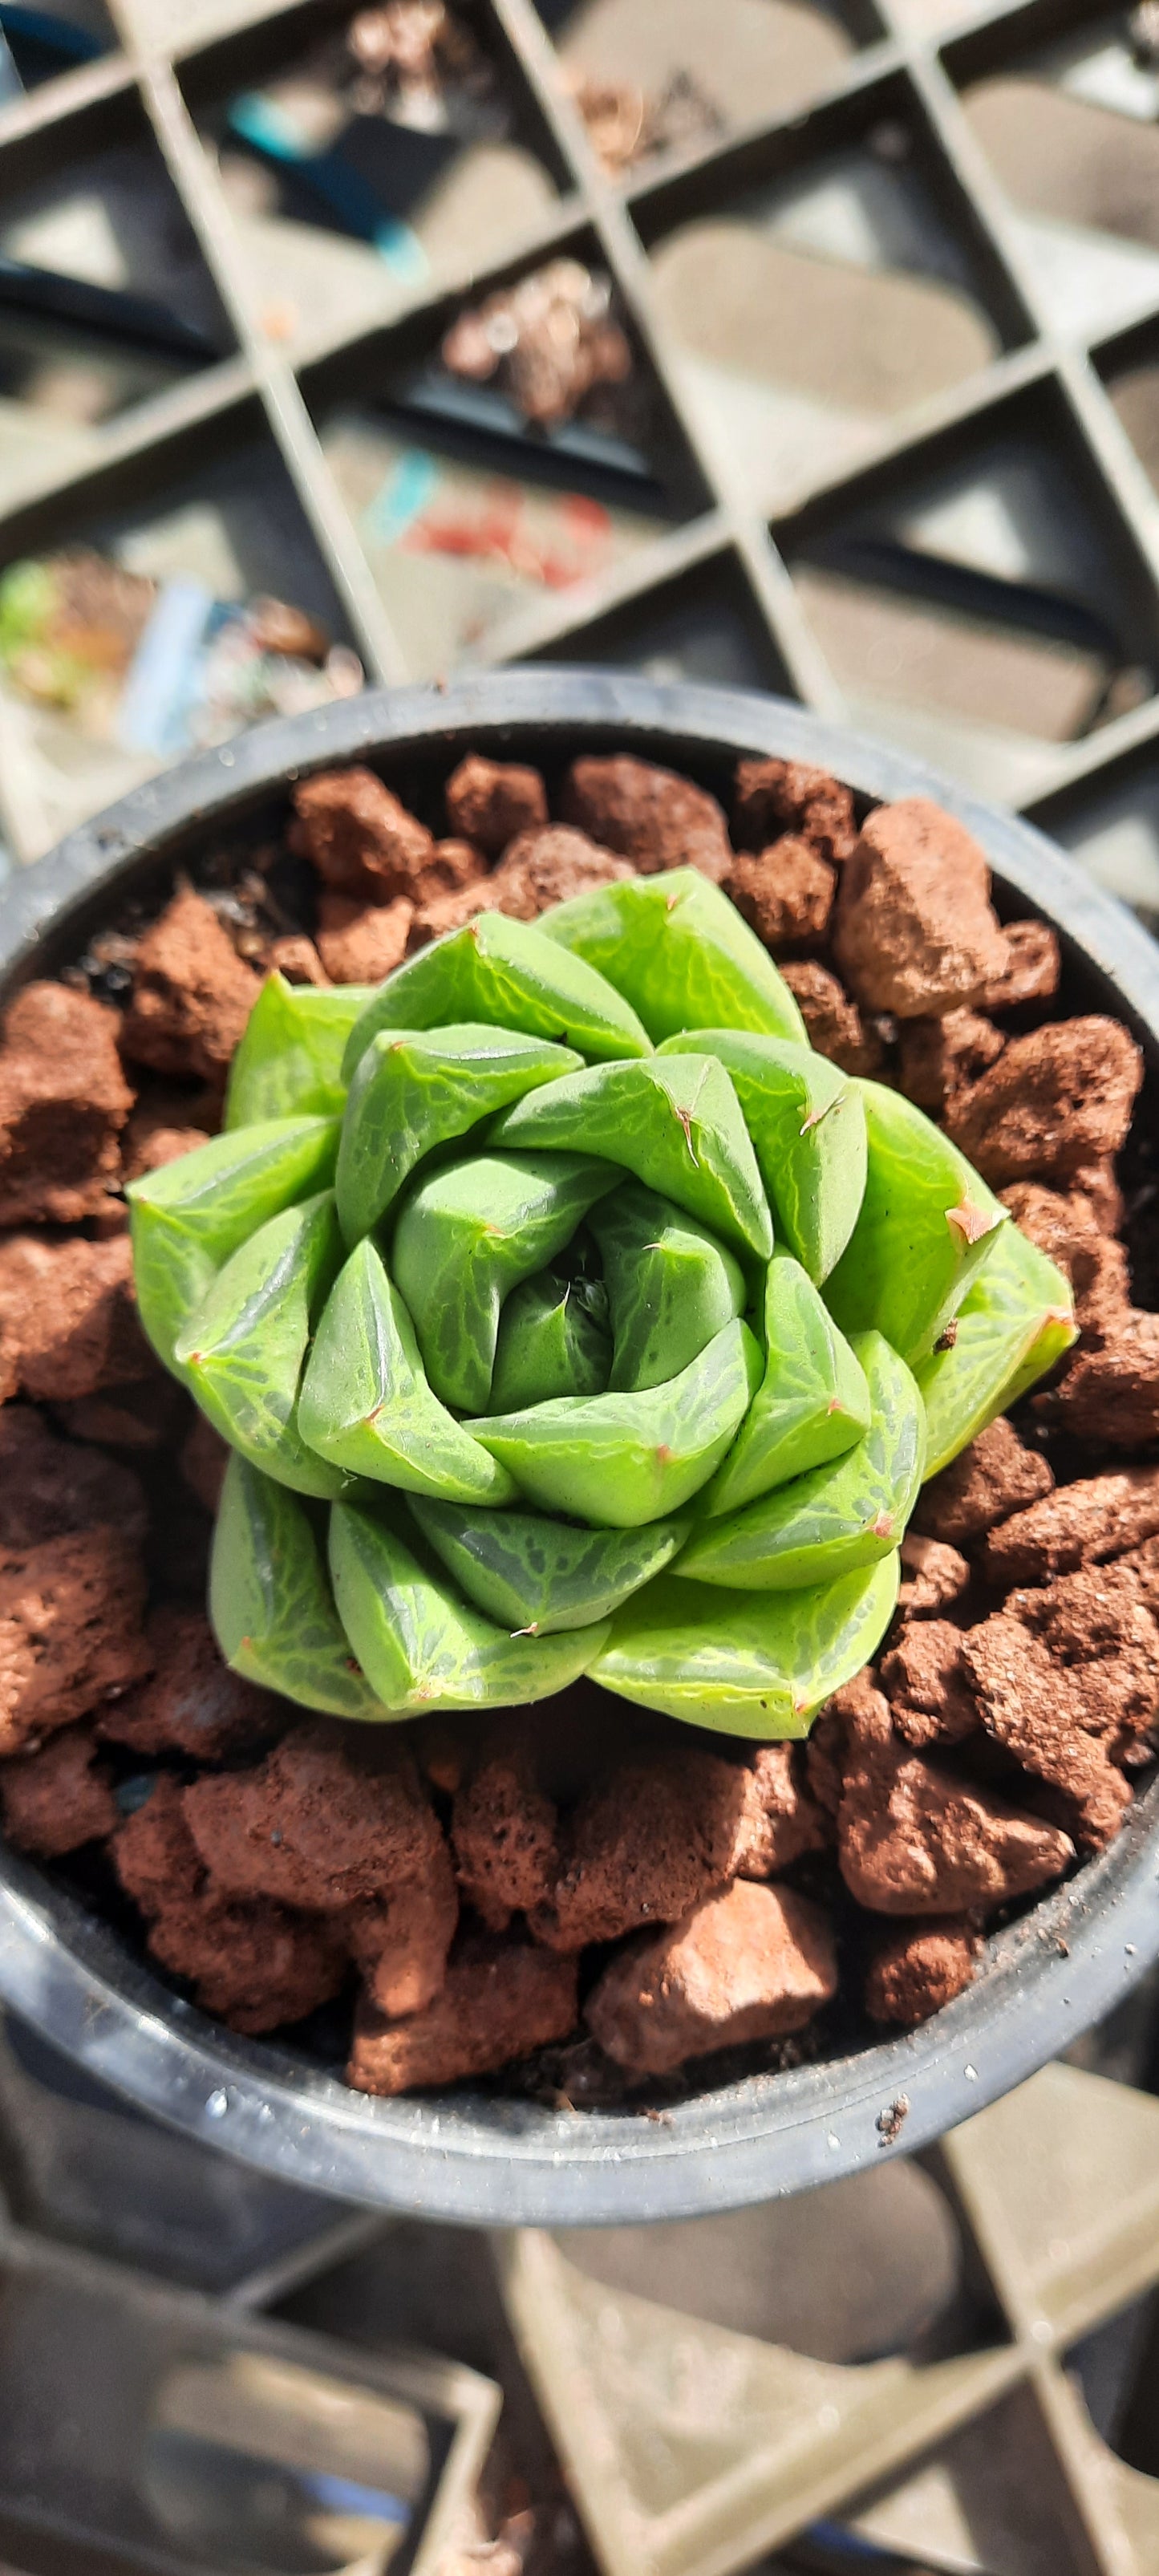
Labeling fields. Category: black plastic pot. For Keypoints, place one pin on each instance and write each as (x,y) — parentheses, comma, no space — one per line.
(465,2156)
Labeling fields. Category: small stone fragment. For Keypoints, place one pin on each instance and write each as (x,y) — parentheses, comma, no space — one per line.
(161,1145)
(834,1023)
(645,1844)
(781,1819)
(153,1852)
(914,1839)
(325,1822)
(1037,1710)
(139,1417)
(63,1102)
(1064,1226)
(360,943)
(1033,967)
(58,1799)
(1110,1394)
(995,1476)
(774,796)
(550,866)
(920,1967)
(490,802)
(401,1942)
(504,1833)
(255,1966)
(296,958)
(502,1998)
(50,1487)
(1055,1100)
(940,1058)
(70,1631)
(916,933)
(926,1681)
(192,994)
(785,893)
(1081,1524)
(192,1703)
(648,815)
(68,1314)
(359,838)
(751,1963)
(934,1576)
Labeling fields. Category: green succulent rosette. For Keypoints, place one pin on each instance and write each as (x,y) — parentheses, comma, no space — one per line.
(566,1314)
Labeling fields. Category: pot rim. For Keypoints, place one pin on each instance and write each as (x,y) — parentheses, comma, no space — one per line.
(463,2156)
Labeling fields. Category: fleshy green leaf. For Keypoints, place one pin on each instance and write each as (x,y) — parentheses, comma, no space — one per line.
(365,1404)
(747,1663)
(678,951)
(807,1123)
(619,1461)
(673,1121)
(833,1519)
(270,1601)
(531,1573)
(670,1284)
(466,1235)
(289,1062)
(508,974)
(549,1345)
(243,1350)
(1016,1322)
(191,1215)
(814,1402)
(424,1649)
(413,1090)
(927,1225)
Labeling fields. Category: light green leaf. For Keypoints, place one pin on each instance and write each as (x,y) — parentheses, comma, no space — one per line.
(420,1646)
(465,1236)
(927,1225)
(549,1345)
(746,1663)
(507,973)
(190,1216)
(270,1602)
(807,1123)
(242,1352)
(814,1402)
(672,1287)
(1016,1322)
(365,1404)
(678,951)
(413,1090)
(673,1121)
(536,1574)
(289,1062)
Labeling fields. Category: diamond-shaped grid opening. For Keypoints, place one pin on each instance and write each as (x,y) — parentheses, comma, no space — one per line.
(105,300)
(653,82)
(1129,367)
(1110,823)
(469,514)
(821,288)
(140,569)
(983,606)
(991,2500)
(704,625)
(1070,126)
(354,194)
(40,44)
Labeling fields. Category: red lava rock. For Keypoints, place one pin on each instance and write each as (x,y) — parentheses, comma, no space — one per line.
(63,1102)
(57,1800)
(925,1680)
(1064,1226)
(450,911)
(825,1759)
(1096,1183)
(785,893)
(359,838)
(141,1416)
(781,1818)
(935,1576)
(940,1058)
(70,1631)
(1055,1100)
(916,933)
(325,1822)
(360,943)
(192,994)
(154,1853)
(68,1313)
(1085,1523)
(401,1944)
(192,1702)
(645,1844)
(504,1833)
(547,867)
(774,796)
(501,1999)
(491,802)
(1065,1680)
(1110,1394)
(203,1462)
(751,1963)
(164,1145)
(297,959)
(254,1966)
(1033,967)
(50,1488)
(995,1476)
(915,1839)
(834,1023)
(919,1967)
(648,815)
(452,866)
(164,1125)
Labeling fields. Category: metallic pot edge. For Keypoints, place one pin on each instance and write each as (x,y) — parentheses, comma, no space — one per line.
(468,2157)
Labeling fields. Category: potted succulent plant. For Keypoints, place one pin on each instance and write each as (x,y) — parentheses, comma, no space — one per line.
(574,1325)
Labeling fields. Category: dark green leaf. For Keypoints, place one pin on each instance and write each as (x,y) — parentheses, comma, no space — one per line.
(289,1062)
(620,1461)
(746,1663)
(807,1124)
(192,1214)
(1016,1322)
(548,1346)
(833,1519)
(420,1646)
(673,1121)
(365,1404)
(813,1405)
(507,973)
(242,1352)
(270,1601)
(465,1236)
(536,1574)
(412,1091)
(927,1225)
(671,1285)
(678,951)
